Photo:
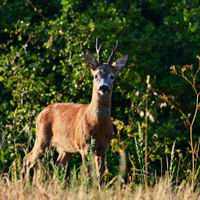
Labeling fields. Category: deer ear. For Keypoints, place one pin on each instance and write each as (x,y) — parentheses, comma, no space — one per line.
(119,64)
(90,60)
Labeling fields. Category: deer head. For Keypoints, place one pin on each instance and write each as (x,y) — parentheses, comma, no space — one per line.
(104,73)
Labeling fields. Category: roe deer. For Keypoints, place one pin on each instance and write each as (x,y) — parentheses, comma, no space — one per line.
(71,127)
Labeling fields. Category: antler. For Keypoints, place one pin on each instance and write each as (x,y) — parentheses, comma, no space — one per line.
(98,50)
(110,59)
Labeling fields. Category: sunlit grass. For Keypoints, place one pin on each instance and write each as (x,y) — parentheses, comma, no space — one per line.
(45,185)
(53,189)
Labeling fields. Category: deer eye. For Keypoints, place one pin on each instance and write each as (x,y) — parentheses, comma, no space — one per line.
(112,77)
(95,76)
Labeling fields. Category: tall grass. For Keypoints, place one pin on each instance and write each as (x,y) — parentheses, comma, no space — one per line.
(79,186)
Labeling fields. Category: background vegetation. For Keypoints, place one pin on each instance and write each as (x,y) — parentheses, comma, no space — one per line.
(42,46)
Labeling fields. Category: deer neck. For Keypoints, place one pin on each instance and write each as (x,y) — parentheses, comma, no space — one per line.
(100,107)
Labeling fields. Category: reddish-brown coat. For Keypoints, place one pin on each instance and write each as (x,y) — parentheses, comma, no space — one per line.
(72,126)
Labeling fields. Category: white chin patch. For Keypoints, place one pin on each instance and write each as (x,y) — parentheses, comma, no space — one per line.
(103,93)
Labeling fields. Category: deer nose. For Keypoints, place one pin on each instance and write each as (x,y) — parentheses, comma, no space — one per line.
(104,88)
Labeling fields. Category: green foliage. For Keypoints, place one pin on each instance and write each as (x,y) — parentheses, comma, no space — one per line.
(42,48)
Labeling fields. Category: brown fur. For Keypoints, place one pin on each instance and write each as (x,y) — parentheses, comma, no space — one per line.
(71,127)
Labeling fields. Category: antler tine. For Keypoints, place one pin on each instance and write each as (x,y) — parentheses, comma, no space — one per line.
(110,59)
(98,50)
